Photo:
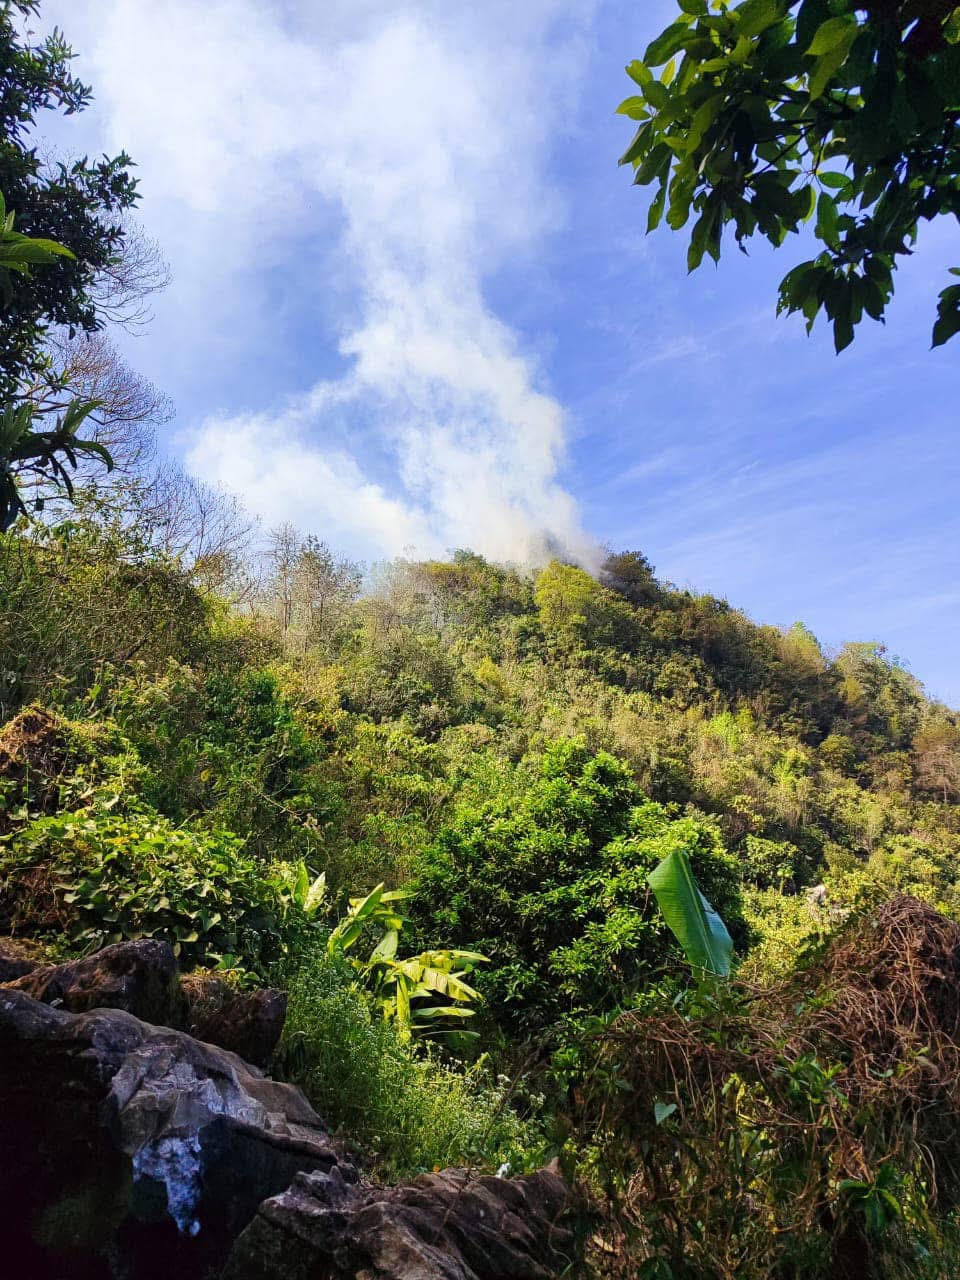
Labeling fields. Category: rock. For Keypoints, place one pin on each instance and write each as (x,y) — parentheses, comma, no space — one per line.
(132,1152)
(138,1152)
(445,1226)
(816,897)
(17,957)
(139,977)
(248,1023)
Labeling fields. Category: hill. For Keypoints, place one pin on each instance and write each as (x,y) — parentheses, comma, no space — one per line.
(486,763)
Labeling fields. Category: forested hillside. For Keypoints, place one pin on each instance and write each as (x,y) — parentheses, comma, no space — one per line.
(224,754)
(450,918)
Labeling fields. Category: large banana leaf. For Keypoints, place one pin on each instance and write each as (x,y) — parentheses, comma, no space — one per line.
(699,930)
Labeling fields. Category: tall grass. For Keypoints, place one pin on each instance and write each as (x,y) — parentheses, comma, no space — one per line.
(400,1105)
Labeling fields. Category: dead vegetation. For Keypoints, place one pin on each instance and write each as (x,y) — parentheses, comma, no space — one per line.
(812,1130)
(33,755)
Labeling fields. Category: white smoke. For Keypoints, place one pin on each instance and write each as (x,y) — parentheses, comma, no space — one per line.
(416,135)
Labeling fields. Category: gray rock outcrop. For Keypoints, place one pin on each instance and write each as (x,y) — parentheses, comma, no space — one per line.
(443,1226)
(248,1023)
(138,977)
(135,1150)
(142,978)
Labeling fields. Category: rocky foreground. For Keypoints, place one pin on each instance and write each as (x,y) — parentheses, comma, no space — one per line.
(137,1144)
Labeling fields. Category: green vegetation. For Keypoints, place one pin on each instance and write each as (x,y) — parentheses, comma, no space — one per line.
(446,795)
(112,877)
(407,1110)
(77,204)
(548,878)
(551,864)
(398,984)
(769,113)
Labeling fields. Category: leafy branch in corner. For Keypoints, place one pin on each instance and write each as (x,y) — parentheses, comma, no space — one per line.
(771,114)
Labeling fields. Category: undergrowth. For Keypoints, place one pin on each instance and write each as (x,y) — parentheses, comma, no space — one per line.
(406,1108)
(810,1130)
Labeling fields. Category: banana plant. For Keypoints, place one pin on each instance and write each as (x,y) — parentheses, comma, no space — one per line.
(398,984)
(303,893)
(18,253)
(43,454)
(693,921)
(375,909)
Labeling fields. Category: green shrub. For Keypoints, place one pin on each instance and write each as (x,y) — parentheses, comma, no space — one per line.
(233,746)
(104,877)
(87,591)
(403,1107)
(549,881)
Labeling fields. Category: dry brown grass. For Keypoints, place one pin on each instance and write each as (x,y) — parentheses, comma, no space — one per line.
(849,1069)
(33,752)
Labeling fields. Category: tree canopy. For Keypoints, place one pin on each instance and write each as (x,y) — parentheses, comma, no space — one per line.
(772,113)
(78,204)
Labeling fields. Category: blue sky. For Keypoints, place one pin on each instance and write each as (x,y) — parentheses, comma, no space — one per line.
(413,308)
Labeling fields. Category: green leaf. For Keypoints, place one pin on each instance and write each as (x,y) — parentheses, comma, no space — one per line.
(316,894)
(362,908)
(948,323)
(756,16)
(825,69)
(386,948)
(656,209)
(666,44)
(638,145)
(703,118)
(658,95)
(842,333)
(635,107)
(700,238)
(301,885)
(873,299)
(656,164)
(810,16)
(833,34)
(639,73)
(827,220)
(697,927)
(663,1111)
(444,1011)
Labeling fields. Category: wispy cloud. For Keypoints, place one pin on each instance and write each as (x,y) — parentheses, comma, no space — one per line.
(414,138)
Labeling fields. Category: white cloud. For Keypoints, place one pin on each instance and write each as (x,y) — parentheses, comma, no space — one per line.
(285,479)
(414,137)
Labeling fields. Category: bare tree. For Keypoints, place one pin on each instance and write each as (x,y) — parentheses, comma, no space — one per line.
(123,289)
(283,554)
(130,408)
(937,757)
(306,585)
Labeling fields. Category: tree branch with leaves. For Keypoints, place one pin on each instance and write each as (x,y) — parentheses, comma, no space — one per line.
(771,114)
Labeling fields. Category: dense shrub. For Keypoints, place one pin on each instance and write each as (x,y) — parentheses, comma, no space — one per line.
(811,1132)
(550,883)
(85,592)
(101,877)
